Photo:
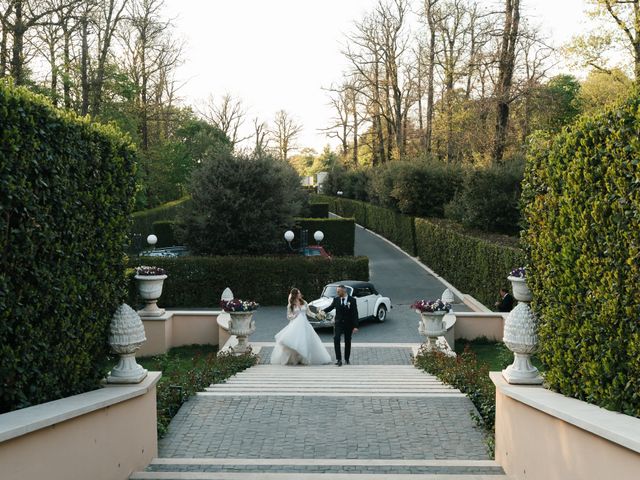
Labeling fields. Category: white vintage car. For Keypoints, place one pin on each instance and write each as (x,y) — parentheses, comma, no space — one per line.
(370,303)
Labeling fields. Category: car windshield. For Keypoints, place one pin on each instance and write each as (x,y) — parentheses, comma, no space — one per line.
(332,291)
(312,252)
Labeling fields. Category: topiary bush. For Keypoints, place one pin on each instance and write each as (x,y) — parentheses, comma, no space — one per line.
(66,193)
(582,211)
(339,233)
(241,205)
(198,282)
(143,220)
(165,231)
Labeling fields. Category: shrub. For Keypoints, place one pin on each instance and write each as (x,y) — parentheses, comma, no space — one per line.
(352,183)
(318,210)
(339,233)
(199,281)
(165,231)
(474,265)
(582,209)
(241,205)
(489,200)
(66,193)
(143,221)
(465,373)
(416,188)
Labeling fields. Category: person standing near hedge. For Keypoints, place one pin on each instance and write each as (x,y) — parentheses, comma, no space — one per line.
(506,301)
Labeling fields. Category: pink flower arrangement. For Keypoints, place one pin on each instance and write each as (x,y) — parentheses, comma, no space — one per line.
(431,306)
(237,305)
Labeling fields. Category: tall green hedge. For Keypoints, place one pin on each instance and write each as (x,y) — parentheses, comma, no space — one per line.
(143,220)
(476,264)
(66,193)
(339,233)
(199,281)
(582,194)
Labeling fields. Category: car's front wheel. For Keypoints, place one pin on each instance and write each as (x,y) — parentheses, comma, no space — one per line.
(381,314)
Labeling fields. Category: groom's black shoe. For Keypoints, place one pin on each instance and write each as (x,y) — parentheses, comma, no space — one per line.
(339,363)
(347,362)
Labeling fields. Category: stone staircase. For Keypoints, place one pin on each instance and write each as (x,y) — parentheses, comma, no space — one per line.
(328,381)
(357,422)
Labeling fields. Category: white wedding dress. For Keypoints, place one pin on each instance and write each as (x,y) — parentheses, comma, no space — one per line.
(298,342)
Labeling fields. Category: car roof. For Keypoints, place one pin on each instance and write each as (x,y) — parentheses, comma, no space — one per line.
(351,283)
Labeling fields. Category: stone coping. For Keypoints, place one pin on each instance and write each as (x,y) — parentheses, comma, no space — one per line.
(21,422)
(168,314)
(616,427)
(488,314)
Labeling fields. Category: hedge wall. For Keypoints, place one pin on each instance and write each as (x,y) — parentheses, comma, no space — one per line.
(319,210)
(165,230)
(198,282)
(339,233)
(143,221)
(66,194)
(582,194)
(476,264)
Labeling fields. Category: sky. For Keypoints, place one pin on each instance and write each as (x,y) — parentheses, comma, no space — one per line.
(280,54)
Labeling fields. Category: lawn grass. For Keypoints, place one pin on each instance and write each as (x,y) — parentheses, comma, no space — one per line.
(493,354)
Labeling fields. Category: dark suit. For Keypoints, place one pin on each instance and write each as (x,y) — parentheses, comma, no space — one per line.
(506,303)
(346,320)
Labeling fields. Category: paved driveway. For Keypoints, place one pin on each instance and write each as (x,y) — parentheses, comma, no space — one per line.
(395,275)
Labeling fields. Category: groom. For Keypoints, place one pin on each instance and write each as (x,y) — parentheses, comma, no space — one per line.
(346,322)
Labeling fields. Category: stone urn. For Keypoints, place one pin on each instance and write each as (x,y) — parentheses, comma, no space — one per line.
(432,326)
(241,325)
(126,336)
(150,289)
(520,336)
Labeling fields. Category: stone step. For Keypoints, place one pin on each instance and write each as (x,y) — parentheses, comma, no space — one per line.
(318,469)
(328,393)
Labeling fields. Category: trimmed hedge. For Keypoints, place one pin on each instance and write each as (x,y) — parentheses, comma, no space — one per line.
(582,208)
(165,231)
(143,221)
(476,264)
(66,193)
(318,210)
(199,281)
(339,233)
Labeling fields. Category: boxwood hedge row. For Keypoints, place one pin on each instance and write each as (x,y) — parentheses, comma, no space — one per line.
(199,281)
(66,194)
(339,233)
(582,209)
(475,264)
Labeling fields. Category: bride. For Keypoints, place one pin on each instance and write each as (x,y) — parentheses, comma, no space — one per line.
(298,342)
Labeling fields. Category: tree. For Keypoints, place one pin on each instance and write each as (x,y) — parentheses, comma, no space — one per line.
(261,137)
(241,205)
(285,133)
(506,65)
(601,89)
(228,115)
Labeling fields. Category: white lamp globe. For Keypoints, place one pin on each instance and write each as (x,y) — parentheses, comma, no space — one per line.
(289,236)
(318,235)
(152,240)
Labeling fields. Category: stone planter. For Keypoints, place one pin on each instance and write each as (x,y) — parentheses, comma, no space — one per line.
(150,289)
(520,289)
(126,336)
(432,326)
(241,325)
(520,336)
